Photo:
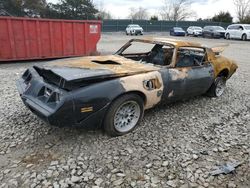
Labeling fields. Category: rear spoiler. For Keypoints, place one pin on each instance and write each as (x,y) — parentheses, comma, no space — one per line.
(219,49)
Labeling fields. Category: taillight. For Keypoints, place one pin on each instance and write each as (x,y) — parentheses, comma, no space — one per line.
(49,95)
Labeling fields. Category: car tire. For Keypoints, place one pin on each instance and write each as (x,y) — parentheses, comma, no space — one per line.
(218,87)
(117,122)
(126,33)
(228,36)
(244,37)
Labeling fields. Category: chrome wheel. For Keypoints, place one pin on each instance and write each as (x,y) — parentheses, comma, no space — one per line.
(221,85)
(127,116)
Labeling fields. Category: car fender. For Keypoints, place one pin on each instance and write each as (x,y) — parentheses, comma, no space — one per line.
(150,84)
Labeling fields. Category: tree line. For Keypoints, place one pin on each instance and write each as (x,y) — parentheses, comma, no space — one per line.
(64,9)
(172,10)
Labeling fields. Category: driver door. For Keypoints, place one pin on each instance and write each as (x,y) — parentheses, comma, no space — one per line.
(191,74)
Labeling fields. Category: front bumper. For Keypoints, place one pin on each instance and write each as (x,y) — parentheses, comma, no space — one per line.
(219,35)
(137,32)
(179,33)
(197,33)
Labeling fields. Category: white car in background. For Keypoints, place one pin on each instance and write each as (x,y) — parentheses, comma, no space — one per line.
(134,29)
(238,31)
(194,30)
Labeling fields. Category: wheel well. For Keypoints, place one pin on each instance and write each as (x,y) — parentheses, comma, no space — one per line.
(142,95)
(243,35)
(224,73)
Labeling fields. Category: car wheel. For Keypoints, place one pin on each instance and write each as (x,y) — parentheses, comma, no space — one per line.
(124,115)
(244,37)
(126,33)
(228,36)
(218,87)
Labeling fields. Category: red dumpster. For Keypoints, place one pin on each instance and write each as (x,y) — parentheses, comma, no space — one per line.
(28,38)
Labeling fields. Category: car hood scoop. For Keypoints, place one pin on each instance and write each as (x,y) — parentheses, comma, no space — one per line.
(107,62)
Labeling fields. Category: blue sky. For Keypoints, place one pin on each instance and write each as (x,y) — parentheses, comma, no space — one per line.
(203,8)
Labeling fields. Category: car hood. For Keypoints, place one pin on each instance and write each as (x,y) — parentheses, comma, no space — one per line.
(179,31)
(137,28)
(94,68)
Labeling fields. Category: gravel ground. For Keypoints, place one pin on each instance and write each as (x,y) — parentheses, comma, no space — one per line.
(176,145)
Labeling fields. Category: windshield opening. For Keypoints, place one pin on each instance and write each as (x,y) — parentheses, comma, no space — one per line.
(148,53)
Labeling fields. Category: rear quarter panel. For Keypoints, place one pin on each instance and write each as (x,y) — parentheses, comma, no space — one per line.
(221,63)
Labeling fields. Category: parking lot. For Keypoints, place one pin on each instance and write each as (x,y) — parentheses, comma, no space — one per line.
(176,145)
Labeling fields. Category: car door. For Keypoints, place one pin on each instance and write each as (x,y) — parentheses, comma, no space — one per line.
(191,75)
(238,32)
(128,29)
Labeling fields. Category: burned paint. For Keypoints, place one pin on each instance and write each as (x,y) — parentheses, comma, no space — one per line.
(171,94)
(177,74)
(132,83)
(81,90)
(118,64)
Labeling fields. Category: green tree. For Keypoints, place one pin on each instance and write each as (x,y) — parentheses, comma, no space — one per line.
(154,18)
(246,20)
(30,8)
(74,9)
(34,8)
(14,7)
(223,17)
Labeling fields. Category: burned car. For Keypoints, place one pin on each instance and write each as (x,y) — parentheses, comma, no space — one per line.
(112,91)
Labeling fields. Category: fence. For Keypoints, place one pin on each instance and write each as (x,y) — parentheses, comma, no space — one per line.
(150,26)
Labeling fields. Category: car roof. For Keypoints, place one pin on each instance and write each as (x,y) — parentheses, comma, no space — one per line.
(240,24)
(168,41)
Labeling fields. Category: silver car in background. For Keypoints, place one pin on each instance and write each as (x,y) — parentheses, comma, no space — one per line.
(134,29)
(194,30)
(238,31)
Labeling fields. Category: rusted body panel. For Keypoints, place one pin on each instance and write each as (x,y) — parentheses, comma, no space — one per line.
(81,90)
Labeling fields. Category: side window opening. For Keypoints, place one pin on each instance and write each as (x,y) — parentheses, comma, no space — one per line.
(190,57)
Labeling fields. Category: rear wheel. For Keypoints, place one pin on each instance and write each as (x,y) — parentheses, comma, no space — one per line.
(218,87)
(124,115)
(244,37)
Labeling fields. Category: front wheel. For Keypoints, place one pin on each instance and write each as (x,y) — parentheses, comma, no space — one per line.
(218,87)
(228,36)
(244,37)
(124,115)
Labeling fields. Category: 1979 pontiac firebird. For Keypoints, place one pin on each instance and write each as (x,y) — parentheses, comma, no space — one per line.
(113,91)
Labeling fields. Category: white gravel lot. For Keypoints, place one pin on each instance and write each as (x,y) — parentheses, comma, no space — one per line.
(176,145)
